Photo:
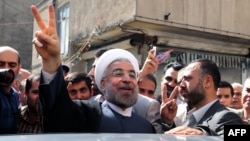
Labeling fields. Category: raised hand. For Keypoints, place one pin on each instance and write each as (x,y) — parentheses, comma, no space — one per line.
(46,40)
(150,65)
(168,106)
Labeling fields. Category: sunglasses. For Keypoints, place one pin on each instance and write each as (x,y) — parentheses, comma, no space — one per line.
(170,79)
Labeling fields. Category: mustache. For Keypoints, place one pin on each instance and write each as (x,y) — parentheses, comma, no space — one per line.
(126,86)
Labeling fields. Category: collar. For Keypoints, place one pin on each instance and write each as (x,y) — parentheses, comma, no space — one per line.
(199,113)
(127,112)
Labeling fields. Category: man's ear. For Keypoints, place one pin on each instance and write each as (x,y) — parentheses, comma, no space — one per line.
(208,81)
(103,85)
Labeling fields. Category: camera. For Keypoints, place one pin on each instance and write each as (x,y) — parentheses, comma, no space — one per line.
(7,76)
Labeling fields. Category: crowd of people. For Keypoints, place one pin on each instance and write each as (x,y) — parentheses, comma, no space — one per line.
(116,95)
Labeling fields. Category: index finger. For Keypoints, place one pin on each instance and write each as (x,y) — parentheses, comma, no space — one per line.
(38,17)
(164,96)
(173,93)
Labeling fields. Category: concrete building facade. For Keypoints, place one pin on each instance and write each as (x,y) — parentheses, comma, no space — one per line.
(214,29)
(16,26)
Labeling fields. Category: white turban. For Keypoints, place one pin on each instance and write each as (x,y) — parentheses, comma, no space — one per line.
(108,57)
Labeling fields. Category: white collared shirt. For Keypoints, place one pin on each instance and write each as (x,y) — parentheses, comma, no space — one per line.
(47,77)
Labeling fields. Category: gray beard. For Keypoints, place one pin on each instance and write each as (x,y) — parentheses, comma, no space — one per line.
(122,101)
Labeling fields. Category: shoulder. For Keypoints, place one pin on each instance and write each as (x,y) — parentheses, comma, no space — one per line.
(143,104)
(88,104)
(219,114)
(227,116)
(146,100)
(237,111)
(91,110)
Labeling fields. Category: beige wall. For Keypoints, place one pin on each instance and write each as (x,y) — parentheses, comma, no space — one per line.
(217,15)
(86,14)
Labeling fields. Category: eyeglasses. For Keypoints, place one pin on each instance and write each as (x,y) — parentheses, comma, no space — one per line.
(169,79)
(120,73)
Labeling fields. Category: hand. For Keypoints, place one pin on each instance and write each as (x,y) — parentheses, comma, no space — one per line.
(47,41)
(183,130)
(169,107)
(150,65)
(69,86)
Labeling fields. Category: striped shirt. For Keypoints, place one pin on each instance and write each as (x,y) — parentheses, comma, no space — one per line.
(25,124)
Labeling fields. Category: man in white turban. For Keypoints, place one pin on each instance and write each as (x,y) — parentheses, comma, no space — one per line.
(110,56)
(58,113)
(146,107)
(116,75)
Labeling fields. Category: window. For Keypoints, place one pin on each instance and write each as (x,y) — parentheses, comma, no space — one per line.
(63,28)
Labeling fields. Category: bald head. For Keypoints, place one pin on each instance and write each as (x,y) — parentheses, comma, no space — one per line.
(9,59)
(7,49)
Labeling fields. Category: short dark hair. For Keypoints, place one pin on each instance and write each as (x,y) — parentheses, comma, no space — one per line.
(152,77)
(76,77)
(225,84)
(175,65)
(29,80)
(100,52)
(209,67)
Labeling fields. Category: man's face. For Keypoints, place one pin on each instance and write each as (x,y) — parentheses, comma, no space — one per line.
(224,96)
(147,87)
(33,96)
(9,60)
(191,85)
(79,90)
(169,79)
(120,84)
(246,95)
(92,75)
(92,71)
(236,101)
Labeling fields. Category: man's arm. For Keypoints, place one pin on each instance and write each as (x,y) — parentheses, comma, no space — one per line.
(46,41)
(58,113)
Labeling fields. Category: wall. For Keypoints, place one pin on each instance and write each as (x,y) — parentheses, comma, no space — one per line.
(215,16)
(16,27)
